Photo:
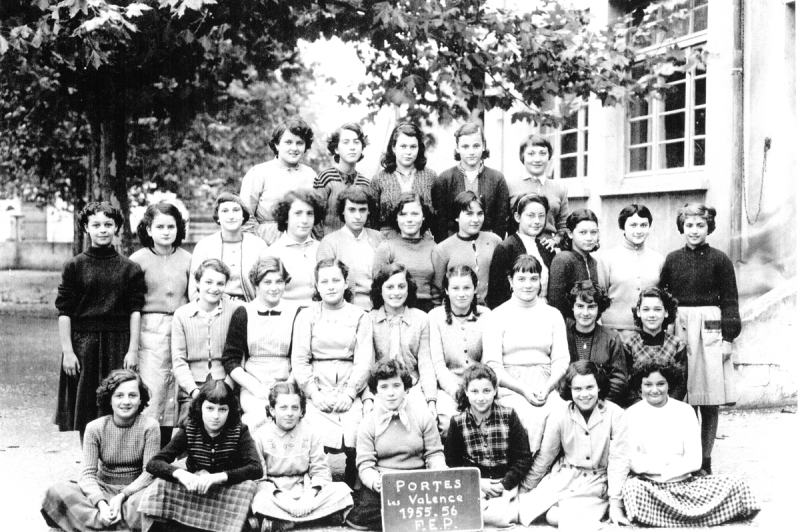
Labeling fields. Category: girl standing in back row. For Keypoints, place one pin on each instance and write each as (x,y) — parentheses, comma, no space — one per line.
(703,280)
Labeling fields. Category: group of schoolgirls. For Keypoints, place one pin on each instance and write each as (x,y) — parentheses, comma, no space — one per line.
(384,387)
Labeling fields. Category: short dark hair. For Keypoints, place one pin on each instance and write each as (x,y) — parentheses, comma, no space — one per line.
(634,209)
(525,264)
(287,388)
(669,302)
(280,212)
(104,208)
(389,160)
(709,214)
(473,372)
(212,264)
(109,385)
(463,201)
(230,197)
(574,218)
(589,292)
(332,263)
(219,393)
(535,140)
(460,270)
(388,369)
(404,199)
(333,140)
(376,293)
(585,367)
(296,126)
(670,369)
(470,128)
(162,207)
(355,195)
(265,265)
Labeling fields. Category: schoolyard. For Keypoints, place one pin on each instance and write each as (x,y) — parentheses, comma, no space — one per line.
(760,445)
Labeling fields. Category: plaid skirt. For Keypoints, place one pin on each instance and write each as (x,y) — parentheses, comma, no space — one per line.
(696,502)
(222,509)
(66,507)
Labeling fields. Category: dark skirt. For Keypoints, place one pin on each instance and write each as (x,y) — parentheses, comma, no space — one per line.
(367,510)
(98,354)
(696,502)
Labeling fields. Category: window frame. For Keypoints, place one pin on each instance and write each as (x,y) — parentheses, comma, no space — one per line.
(581,155)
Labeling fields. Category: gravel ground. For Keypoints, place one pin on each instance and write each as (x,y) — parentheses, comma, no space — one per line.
(755,444)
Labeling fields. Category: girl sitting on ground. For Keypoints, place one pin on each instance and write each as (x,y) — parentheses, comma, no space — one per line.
(589,435)
(398,435)
(115,449)
(298,485)
(653,313)
(490,437)
(664,440)
(214,490)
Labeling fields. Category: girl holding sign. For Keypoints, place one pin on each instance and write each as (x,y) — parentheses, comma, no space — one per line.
(398,435)
(506,460)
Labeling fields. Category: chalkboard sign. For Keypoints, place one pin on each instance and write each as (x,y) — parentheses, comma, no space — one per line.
(431,501)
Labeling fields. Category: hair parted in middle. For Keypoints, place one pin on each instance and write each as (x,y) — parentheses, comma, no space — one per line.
(280,212)
(230,197)
(389,160)
(589,292)
(634,209)
(404,199)
(470,128)
(109,385)
(585,367)
(219,393)
(669,302)
(212,264)
(332,263)
(460,270)
(168,209)
(388,270)
(295,126)
(333,140)
(388,369)
(268,264)
(473,372)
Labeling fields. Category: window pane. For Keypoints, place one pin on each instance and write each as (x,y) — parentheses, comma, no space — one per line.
(571,121)
(638,107)
(700,91)
(674,126)
(699,152)
(700,122)
(640,159)
(700,19)
(585,141)
(676,97)
(569,143)
(569,167)
(670,155)
(697,3)
(585,117)
(640,131)
(585,165)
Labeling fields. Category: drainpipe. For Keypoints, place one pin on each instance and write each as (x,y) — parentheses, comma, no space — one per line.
(737,143)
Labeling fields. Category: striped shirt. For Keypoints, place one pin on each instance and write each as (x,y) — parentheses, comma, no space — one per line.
(329,184)
(117,455)
(198,339)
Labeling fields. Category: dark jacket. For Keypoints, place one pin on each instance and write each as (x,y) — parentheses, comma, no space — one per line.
(607,352)
(502,261)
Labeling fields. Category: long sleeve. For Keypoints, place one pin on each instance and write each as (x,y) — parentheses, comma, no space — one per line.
(325,250)
(559,352)
(683,363)
(561,275)
(440,263)
(493,348)
(548,451)
(135,289)
(618,461)
(236,349)
(617,369)
(318,468)
(440,194)
(427,375)
(728,299)
(433,453)
(383,256)
(66,300)
(375,190)
(499,288)
(250,194)
(363,357)
(520,458)
(161,464)
(91,455)
(501,208)
(180,360)
(366,454)
(301,352)
(444,377)
(152,444)
(249,467)
(563,211)
(455,449)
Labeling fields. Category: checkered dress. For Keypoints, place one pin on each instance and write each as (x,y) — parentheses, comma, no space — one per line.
(222,509)
(696,502)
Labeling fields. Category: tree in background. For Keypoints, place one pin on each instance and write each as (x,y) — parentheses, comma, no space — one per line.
(143,90)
